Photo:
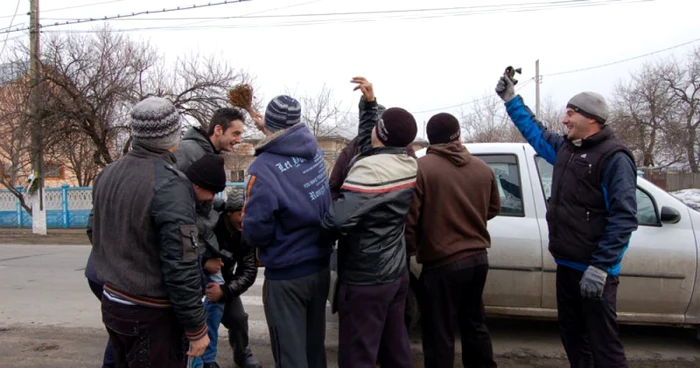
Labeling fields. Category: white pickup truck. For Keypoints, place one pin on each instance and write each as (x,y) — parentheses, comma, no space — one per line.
(659,281)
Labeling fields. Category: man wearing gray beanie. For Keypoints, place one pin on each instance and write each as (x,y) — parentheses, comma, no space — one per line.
(591,215)
(144,249)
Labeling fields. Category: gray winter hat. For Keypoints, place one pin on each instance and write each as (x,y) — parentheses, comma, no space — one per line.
(234,200)
(155,123)
(590,105)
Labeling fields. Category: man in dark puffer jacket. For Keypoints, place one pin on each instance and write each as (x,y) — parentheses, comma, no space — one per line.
(369,217)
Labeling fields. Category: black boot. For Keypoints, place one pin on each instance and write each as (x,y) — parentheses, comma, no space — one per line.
(249,362)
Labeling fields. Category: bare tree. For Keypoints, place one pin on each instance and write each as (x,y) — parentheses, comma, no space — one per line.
(486,120)
(15,133)
(324,116)
(683,79)
(643,113)
(196,85)
(92,81)
(552,115)
(77,152)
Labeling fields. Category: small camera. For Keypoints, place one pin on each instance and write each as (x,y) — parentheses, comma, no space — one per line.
(510,72)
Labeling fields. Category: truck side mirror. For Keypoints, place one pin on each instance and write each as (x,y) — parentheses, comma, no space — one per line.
(670,215)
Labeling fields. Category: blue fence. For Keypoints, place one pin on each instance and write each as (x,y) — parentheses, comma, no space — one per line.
(66,207)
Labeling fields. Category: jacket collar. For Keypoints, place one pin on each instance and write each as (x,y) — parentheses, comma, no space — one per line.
(142,151)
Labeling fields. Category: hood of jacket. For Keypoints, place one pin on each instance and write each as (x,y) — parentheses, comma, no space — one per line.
(454,152)
(200,137)
(296,141)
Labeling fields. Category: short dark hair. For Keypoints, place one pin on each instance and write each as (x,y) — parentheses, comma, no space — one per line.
(224,117)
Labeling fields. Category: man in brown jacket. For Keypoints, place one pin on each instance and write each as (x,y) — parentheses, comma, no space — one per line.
(456,194)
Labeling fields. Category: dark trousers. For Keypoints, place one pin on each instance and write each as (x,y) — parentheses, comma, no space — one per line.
(588,327)
(296,319)
(144,337)
(452,297)
(372,328)
(107,359)
(235,319)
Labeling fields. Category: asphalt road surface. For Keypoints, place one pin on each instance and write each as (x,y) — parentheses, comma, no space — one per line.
(49,318)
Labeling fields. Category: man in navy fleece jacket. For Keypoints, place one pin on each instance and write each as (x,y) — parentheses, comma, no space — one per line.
(287,196)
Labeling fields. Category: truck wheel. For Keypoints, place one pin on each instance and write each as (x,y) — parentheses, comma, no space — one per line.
(412,317)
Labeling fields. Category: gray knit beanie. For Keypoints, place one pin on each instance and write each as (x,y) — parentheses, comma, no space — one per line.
(590,105)
(234,201)
(155,123)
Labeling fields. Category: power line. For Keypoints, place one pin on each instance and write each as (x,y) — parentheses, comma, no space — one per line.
(571,71)
(263,11)
(134,14)
(8,35)
(472,101)
(70,7)
(623,60)
(502,9)
(376,12)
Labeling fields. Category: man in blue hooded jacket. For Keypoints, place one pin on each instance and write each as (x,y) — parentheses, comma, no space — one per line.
(591,215)
(287,196)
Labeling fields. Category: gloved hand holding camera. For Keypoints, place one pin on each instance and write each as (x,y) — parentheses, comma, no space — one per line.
(505,88)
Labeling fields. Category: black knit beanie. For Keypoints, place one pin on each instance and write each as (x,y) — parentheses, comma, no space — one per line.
(396,127)
(442,128)
(208,173)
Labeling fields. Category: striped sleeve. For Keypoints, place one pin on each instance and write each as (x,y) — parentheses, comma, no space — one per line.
(366,186)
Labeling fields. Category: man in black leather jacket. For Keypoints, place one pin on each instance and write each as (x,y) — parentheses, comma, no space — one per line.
(369,218)
(239,271)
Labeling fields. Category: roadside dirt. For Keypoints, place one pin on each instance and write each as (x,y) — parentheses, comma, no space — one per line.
(53,237)
(60,347)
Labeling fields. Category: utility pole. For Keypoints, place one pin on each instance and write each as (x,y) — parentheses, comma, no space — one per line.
(38,205)
(537,88)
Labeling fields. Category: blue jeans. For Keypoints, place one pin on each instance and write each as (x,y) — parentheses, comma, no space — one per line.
(215,312)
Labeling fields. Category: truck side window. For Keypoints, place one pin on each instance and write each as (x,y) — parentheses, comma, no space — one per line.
(506,170)
(545,169)
(646,209)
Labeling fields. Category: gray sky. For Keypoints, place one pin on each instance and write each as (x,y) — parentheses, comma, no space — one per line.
(422,60)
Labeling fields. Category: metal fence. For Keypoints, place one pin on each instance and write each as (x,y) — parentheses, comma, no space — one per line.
(66,207)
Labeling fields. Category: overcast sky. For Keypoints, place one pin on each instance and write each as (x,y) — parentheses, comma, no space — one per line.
(423,61)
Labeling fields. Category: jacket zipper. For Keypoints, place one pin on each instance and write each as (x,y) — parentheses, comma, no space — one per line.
(588,216)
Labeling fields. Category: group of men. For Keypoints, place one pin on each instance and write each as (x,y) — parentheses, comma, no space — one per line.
(160,239)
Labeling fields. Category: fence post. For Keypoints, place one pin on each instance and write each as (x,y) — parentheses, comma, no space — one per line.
(19,207)
(64,205)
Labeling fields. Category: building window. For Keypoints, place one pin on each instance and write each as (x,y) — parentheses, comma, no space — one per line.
(53,171)
(237,176)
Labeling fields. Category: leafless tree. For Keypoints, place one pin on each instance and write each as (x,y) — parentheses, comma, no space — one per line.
(683,79)
(93,81)
(643,115)
(15,142)
(324,115)
(486,120)
(196,85)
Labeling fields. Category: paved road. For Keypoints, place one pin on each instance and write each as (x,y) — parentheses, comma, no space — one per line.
(49,318)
